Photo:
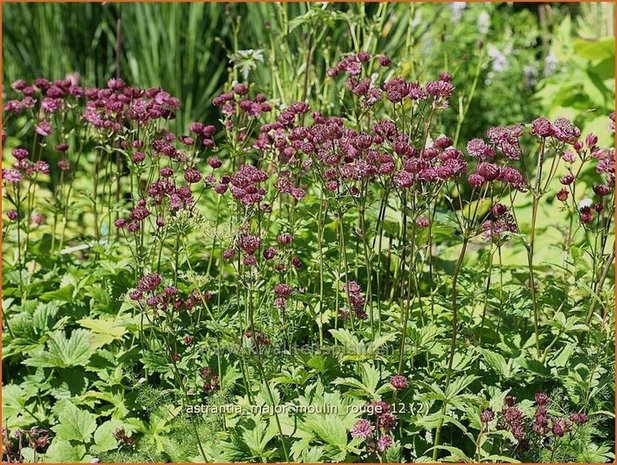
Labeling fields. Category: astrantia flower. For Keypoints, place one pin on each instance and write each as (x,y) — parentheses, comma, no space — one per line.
(562,195)
(269,253)
(285,238)
(249,243)
(579,418)
(283,290)
(475,180)
(561,427)
(149,282)
(191,175)
(362,429)
(384,442)
(41,167)
(215,163)
(487,415)
(11,175)
(565,131)
(43,129)
(422,222)
(20,153)
(37,219)
(138,157)
(399,382)
(602,190)
(135,294)
(488,171)
(542,127)
(228,254)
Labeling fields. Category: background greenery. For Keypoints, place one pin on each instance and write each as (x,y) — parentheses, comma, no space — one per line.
(551,55)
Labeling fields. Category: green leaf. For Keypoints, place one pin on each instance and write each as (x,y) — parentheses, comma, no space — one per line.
(62,352)
(61,451)
(75,424)
(104,439)
(497,362)
(105,330)
(64,294)
(595,49)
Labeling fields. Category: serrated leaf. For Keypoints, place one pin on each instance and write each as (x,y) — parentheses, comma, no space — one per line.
(104,439)
(75,424)
(62,352)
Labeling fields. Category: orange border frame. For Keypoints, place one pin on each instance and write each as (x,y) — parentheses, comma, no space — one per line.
(313,1)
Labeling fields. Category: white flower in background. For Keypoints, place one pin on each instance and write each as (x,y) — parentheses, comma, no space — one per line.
(484,22)
(585,203)
(550,64)
(457,9)
(499,60)
(416,21)
(530,72)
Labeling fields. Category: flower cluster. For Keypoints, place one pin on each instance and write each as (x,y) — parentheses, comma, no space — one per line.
(537,429)
(149,291)
(211,381)
(376,431)
(356,298)
(500,224)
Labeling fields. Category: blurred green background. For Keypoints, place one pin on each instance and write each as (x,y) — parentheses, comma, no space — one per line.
(558,58)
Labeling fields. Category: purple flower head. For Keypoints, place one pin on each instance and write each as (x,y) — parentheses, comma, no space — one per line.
(399,382)
(362,429)
(20,153)
(514,178)
(149,282)
(488,171)
(384,442)
(215,163)
(422,222)
(602,190)
(192,176)
(241,89)
(283,290)
(443,142)
(565,131)
(498,209)
(38,219)
(269,253)
(135,294)
(579,418)
(487,415)
(542,127)
(562,195)
(138,157)
(541,398)
(561,427)
(166,172)
(384,60)
(475,180)
(378,407)
(12,215)
(249,243)
(11,175)
(285,238)
(43,129)
(41,167)
(229,254)
(403,180)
